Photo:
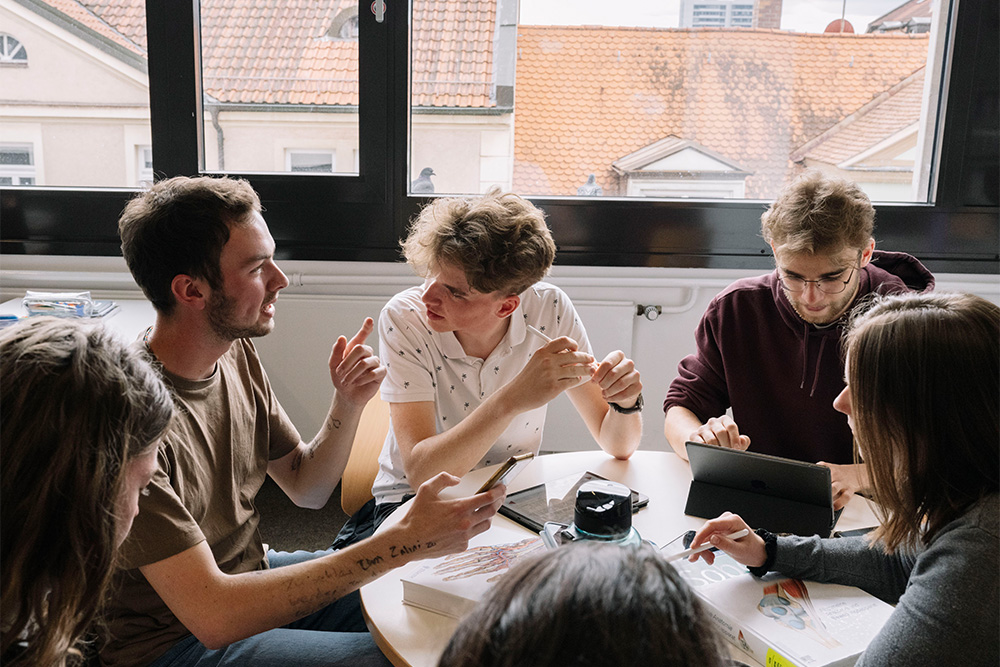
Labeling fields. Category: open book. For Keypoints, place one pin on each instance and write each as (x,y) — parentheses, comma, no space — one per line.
(784,622)
(452,585)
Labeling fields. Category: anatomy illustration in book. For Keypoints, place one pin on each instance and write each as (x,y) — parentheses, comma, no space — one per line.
(486,559)
(787,602)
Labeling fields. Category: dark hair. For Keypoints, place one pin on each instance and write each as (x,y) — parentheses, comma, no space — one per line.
(587,604)
(924,375)
(76,404)
(178,227)
(499,240)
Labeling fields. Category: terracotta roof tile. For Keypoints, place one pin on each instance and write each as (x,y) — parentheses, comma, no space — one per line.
(752,96)
(585,96)
(889,113)
(124,25)
(258,53)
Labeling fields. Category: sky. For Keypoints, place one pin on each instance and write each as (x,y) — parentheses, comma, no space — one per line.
(798,15)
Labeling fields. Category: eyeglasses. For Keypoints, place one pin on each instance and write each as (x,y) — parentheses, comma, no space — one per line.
(825,285)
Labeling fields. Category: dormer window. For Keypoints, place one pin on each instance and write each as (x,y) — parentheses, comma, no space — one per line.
(12,51)
(345,25)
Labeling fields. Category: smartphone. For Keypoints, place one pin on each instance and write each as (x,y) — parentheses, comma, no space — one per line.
(508,471)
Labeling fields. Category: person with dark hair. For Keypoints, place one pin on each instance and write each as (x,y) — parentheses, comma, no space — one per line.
(467,381)
(588,603)
(197,586)
(82,416)
(768,347)
(923,400)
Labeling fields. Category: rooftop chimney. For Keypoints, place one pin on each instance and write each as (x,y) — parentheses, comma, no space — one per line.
(767,14)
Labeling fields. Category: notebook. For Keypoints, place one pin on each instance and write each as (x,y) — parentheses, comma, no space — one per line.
(777,494)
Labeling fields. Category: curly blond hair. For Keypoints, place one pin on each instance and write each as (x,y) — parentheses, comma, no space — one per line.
(499,240)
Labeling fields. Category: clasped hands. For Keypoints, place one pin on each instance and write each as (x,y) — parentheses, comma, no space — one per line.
(559,365)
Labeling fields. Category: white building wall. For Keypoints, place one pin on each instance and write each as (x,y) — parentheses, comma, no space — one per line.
(326,299)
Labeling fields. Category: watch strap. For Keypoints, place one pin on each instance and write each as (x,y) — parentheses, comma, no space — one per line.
(628,411)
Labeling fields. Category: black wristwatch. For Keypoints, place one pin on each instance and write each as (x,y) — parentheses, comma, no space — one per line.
(628,411)
(770,553)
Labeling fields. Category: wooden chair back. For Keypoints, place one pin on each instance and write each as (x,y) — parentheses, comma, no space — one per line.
(362,466)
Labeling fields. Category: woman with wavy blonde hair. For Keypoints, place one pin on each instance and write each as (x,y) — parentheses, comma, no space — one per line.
(81,416)
(923,401)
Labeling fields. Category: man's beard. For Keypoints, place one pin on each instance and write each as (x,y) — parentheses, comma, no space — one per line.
(837,309)
(220,317)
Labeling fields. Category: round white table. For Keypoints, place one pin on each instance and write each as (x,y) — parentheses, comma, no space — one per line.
(412,637)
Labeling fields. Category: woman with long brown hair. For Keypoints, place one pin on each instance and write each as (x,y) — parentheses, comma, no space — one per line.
(81,416)
(923,401)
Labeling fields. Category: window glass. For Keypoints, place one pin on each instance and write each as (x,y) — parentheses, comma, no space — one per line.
(12,51)
(312,161)
(280,85)
(17,165)
(144,163)
(677,99)
(73,76)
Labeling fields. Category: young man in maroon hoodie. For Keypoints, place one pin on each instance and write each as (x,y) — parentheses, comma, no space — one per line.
(769,347)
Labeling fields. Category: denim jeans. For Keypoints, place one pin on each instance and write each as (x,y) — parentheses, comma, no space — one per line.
(334,635)
(365,522)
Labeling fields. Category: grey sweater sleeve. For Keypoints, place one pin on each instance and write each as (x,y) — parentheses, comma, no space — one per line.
(947,596)
(848,561)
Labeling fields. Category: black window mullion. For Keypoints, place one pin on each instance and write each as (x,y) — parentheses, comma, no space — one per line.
(968,168)
(173,38)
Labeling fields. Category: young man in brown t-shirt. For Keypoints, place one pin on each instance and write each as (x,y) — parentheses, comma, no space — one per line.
(196,586)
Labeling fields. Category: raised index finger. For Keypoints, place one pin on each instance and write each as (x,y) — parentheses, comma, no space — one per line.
(359,338)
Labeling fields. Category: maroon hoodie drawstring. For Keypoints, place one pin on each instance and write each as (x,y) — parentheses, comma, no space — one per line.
(819,359)
(805,355)
(805,361)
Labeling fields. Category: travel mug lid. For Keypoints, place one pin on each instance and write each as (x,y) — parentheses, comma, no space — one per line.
(603,510)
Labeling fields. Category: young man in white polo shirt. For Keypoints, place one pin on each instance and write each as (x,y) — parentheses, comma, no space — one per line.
(467,381)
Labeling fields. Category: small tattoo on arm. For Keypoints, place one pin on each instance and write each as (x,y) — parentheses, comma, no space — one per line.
(396,551)
(368,563)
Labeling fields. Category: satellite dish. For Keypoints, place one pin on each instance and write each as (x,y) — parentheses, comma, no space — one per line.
(840,26)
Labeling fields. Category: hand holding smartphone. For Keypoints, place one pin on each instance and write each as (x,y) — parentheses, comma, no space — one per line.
(507,471)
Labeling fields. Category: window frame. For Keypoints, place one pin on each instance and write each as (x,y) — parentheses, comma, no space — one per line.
(347,217)
(19,172)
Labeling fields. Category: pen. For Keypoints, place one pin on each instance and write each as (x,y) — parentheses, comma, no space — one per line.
(592,366)
(538,333)
(706,546)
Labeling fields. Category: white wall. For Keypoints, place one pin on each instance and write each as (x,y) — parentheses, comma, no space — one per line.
(326,299)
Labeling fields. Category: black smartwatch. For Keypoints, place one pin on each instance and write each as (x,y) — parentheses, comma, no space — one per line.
(628,411)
